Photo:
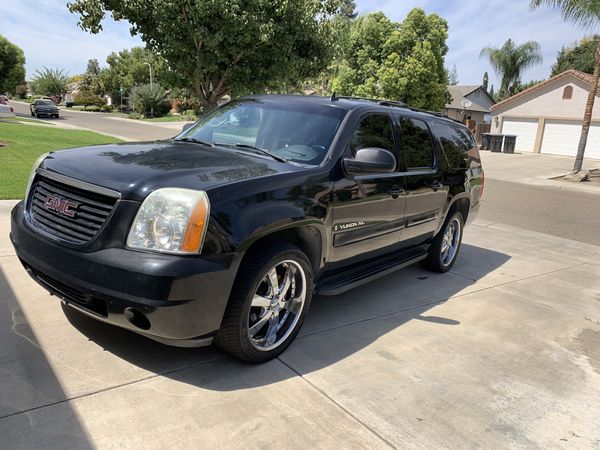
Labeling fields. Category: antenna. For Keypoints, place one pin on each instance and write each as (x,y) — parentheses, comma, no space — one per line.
(333,97)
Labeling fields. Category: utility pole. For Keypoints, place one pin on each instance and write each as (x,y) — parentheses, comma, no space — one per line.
(151,89)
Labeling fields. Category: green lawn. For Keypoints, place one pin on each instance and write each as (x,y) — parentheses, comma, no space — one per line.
(25,143)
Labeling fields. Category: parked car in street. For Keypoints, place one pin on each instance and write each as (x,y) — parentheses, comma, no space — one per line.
(44,108)
(225,232)
(6,111)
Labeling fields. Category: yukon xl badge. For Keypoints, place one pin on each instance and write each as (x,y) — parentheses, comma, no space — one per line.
(60,205)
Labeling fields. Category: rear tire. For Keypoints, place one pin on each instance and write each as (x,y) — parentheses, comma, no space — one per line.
(446,245)
(268,303)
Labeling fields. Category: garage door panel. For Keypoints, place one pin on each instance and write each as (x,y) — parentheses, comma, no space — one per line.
(524,129)
(561,137)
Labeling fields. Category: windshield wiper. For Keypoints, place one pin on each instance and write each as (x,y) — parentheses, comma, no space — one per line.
(195,141)
(261,151)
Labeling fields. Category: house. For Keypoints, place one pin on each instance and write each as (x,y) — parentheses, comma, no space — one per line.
(469,103)
(547,117)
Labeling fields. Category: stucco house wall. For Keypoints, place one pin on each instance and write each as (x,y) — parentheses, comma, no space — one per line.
(547,102)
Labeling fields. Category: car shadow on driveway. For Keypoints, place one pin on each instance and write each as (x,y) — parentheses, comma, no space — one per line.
(386,304)
(28,382)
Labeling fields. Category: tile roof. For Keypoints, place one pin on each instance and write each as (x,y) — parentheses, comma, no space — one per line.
(585,77)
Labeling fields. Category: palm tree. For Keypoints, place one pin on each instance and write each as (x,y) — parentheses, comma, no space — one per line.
(510,61)
(587,14)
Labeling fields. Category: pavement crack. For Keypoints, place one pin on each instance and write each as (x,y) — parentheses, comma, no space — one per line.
(336,404)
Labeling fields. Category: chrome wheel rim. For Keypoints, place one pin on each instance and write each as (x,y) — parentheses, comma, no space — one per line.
(450,242)
(277,305)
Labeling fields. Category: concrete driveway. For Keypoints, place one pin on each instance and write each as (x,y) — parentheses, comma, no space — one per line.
(504,351)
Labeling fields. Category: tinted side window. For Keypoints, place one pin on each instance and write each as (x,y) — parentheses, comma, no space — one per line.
(417,145)
(373,131)
(456,143)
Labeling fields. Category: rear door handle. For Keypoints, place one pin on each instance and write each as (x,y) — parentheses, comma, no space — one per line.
(436,185)
(397,191)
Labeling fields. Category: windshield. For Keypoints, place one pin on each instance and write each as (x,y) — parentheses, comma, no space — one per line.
(292,130)
(45,102)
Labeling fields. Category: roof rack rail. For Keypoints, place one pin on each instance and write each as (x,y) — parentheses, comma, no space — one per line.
(396,104)
(393,103)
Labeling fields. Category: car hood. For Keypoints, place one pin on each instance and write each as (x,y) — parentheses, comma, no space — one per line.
(135,169)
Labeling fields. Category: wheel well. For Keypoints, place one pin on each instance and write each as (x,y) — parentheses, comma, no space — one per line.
(306,238)
(461,205)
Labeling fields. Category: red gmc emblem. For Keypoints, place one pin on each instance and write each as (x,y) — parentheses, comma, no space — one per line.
(60,205)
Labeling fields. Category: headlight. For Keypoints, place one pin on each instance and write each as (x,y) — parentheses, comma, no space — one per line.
(171,220)
(36,164)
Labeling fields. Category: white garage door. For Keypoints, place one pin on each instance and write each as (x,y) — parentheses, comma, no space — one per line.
(524,129)
(561,137)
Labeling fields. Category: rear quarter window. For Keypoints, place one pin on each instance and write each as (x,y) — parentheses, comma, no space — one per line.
(458,145)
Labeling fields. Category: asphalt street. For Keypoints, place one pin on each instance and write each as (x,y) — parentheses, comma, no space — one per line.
(105,123)
(552,210)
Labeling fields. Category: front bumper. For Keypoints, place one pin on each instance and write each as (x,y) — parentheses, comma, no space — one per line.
(177,300)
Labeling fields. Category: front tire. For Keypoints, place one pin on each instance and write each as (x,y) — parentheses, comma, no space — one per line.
(446,245)
(268,303)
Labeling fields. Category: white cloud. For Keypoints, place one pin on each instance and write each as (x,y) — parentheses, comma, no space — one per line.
(48,34)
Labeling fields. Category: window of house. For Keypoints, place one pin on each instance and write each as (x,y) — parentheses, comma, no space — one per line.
(568,93)
(416,144)
(374,131)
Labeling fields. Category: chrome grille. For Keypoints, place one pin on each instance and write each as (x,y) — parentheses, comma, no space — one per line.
(90,214)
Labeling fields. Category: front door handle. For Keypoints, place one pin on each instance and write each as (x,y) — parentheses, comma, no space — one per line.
(396,191)
(436,185)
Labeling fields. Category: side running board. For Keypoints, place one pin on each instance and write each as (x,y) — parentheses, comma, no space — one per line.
(342,282)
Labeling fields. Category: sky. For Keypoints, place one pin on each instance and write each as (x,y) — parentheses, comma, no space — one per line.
(49,35)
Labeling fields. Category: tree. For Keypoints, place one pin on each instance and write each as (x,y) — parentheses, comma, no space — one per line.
(146,99)
(579,56)
(587,14)
(51,82)
(220,47)
(510,61)
(453,76)
(90,84)
(398,61)
(348,9)
(128,68)
(486,81)
(12,66)
(493,93)
(93,67)
(520,87)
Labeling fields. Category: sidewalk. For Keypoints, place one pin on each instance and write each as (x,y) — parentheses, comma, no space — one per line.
(535,169)
(501,352)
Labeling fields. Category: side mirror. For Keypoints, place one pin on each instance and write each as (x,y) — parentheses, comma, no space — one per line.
(370,160)
(187,126)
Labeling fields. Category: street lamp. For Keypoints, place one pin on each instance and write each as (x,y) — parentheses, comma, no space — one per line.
(151,90)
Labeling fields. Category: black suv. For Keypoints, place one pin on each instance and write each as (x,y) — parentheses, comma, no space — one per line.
(227,231)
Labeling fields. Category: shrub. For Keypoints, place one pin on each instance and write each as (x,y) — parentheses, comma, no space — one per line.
(91,108)
(87,99)
(107,108)
(145,99)
(136,116)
